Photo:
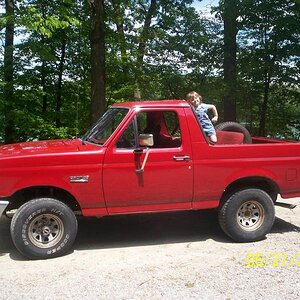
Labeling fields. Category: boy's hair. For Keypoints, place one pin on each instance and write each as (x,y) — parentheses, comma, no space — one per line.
(193,94)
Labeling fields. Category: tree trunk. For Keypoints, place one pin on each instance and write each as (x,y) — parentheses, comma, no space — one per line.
(59,81)
(97,41)
(9,72)
(119,21)
(268,63)
(43,70)
(230,48)
(262,123)
(142,49)
(43,82)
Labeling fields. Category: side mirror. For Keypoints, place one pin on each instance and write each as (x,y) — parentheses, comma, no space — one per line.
(146,140)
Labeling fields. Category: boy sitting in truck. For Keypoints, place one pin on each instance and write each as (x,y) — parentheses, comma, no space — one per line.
(201,110)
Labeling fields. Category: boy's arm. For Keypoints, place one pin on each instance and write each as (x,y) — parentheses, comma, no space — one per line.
(214,112)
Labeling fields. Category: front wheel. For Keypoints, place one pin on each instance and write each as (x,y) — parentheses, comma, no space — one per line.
(248,215)
(43,228)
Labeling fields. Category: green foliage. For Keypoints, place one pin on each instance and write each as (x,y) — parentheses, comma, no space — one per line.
(46,18)
(183,52)
(269,39)
(29,128)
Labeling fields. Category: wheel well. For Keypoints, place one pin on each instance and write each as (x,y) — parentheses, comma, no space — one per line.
(265,184)
(27,194)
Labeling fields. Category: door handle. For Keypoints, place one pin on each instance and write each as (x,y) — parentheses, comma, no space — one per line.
(181,158)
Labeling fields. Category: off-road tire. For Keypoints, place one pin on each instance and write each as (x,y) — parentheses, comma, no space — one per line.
(43,228)
(248,215)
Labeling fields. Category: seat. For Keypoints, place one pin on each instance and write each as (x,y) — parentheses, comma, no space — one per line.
(229,137)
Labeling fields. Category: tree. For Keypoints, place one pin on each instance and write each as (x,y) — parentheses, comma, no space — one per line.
(269,54)
(162,45)
(141,51)
(49,54)
(65,68)
(230,15)
(8,90)
(97,42)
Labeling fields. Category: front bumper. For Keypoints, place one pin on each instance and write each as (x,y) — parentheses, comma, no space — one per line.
(3,205)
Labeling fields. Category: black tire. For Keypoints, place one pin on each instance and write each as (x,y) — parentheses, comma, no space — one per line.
(248,215)
(235,127)
(43,228)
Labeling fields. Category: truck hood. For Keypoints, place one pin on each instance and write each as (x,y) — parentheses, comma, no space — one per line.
(50,153)
(40,147)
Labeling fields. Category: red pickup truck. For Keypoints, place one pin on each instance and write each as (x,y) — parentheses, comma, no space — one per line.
(142,157)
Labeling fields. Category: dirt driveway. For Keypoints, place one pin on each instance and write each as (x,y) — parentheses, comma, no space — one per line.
(182,255)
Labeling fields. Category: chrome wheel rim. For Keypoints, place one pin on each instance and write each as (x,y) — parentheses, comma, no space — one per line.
(45,230)
(250,215)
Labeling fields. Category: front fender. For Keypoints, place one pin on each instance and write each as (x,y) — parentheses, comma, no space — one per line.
(88,193)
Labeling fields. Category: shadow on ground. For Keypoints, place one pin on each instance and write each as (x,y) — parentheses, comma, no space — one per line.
(142,229)
(282,226)
(148,229)
(155,229)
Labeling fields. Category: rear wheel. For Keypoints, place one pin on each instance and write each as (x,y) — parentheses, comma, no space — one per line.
(248,215)
(43,228)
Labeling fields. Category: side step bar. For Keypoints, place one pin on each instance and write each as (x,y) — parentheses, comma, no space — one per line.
(3,205)
(285,205)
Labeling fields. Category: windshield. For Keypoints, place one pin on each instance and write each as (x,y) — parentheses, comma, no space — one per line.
(106,125)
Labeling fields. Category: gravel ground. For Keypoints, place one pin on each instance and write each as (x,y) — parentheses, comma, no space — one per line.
(182,255)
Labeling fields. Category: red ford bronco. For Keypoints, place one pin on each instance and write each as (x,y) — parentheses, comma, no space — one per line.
(143,157)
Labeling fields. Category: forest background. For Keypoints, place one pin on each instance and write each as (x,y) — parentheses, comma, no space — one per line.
(63,62)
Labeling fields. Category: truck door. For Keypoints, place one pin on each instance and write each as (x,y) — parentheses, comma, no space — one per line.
(167,180)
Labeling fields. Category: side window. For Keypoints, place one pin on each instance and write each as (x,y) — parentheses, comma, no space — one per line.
(164,125)
(142,122)
(172,123)
(127,139)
